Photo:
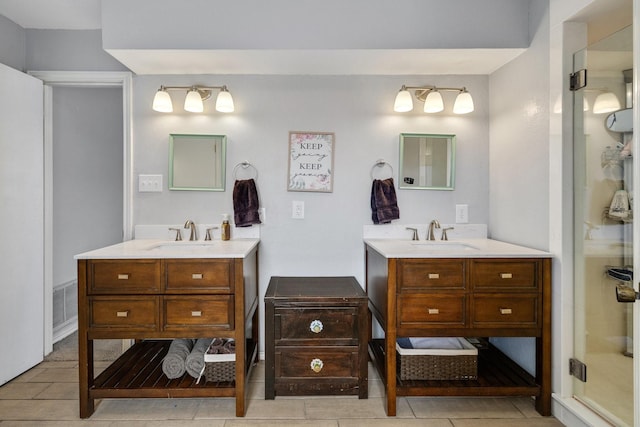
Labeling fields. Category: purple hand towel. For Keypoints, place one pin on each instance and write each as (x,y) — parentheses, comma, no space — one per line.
(384,204)
(245,203)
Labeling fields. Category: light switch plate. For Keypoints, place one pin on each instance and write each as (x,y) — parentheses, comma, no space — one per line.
(462,214)
(297,210)
(149,183)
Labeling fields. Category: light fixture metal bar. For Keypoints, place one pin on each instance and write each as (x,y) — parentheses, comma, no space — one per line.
(198,87)
(421,92)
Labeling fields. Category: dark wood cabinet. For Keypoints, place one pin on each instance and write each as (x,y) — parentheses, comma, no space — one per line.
(464,297)
(153,301)
(315,337)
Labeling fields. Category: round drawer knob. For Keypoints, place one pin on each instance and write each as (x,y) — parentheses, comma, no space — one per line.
(317,365)
(316,326)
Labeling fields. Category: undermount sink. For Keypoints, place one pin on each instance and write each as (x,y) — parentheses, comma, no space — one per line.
(442,246)
(186,246)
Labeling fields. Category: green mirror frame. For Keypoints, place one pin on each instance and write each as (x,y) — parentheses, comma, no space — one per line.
(197,162)
(427,161)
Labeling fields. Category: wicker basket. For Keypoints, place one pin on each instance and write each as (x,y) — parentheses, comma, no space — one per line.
(438,364)
(220,371)
(219,367)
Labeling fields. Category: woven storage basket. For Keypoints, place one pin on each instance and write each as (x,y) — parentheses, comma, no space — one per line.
(438,364)
(219,367)
(220,371)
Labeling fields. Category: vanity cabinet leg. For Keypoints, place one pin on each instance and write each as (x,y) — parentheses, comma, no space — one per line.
(390,362)
(85,357)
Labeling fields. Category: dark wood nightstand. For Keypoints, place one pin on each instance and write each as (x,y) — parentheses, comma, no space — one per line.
(315,337)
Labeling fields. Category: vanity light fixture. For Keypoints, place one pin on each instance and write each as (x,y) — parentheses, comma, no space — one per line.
(432,99)
(194,101)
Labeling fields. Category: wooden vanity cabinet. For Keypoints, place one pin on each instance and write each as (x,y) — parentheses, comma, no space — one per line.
(153,301)
(464,297)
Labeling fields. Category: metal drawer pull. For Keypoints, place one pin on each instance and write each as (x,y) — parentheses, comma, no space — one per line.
(123,277)
(196,276)
(122,313)
(505,311)
(316,326)
(434,276)
(433,311)
(317,365)
(196,314)
(506,275)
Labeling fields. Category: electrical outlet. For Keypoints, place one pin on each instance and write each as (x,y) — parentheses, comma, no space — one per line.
(150,183)
(462,214)
(297,210)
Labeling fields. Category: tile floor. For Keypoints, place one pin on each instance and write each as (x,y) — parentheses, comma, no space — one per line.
(47,395)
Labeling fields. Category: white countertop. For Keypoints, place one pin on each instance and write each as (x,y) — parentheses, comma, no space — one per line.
(157,248)
(459,248)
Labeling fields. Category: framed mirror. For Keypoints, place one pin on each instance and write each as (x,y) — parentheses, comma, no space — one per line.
(427,161)
(197,162)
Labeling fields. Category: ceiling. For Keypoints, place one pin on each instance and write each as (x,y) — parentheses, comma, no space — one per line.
(86,15)
(53,14)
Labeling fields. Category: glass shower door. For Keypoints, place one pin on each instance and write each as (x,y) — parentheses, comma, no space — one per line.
(603,225)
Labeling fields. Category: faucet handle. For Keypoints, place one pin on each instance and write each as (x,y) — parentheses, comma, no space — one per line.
(444,233)
(178,233)
(208,236)
(415,233)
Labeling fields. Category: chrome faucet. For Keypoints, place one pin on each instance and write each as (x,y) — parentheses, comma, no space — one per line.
(431,235)
(194,232)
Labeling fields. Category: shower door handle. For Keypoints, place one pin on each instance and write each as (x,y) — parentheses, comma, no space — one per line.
(626,294)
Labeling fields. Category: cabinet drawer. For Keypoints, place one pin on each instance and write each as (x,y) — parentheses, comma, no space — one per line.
(316,362)
(300,323)
(436,311)
(130,313)
(124,276)
(194,275)
(513,310)
(198,311)
(429,274)
(503,274)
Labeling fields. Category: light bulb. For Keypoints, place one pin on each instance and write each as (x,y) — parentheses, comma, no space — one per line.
(464,103)
(193,101)
(162,101)
(224,101)
(606,103)
(433,103)
(403,101)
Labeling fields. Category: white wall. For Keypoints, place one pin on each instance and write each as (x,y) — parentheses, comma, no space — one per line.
(87,174)
(68,50)
(519,156)
(12,44)
(360,112)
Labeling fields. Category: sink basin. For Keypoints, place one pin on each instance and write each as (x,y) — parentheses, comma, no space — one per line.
(184,246)
(442,246)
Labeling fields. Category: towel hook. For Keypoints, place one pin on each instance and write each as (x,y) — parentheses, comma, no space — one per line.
(244,165)
(380,163)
